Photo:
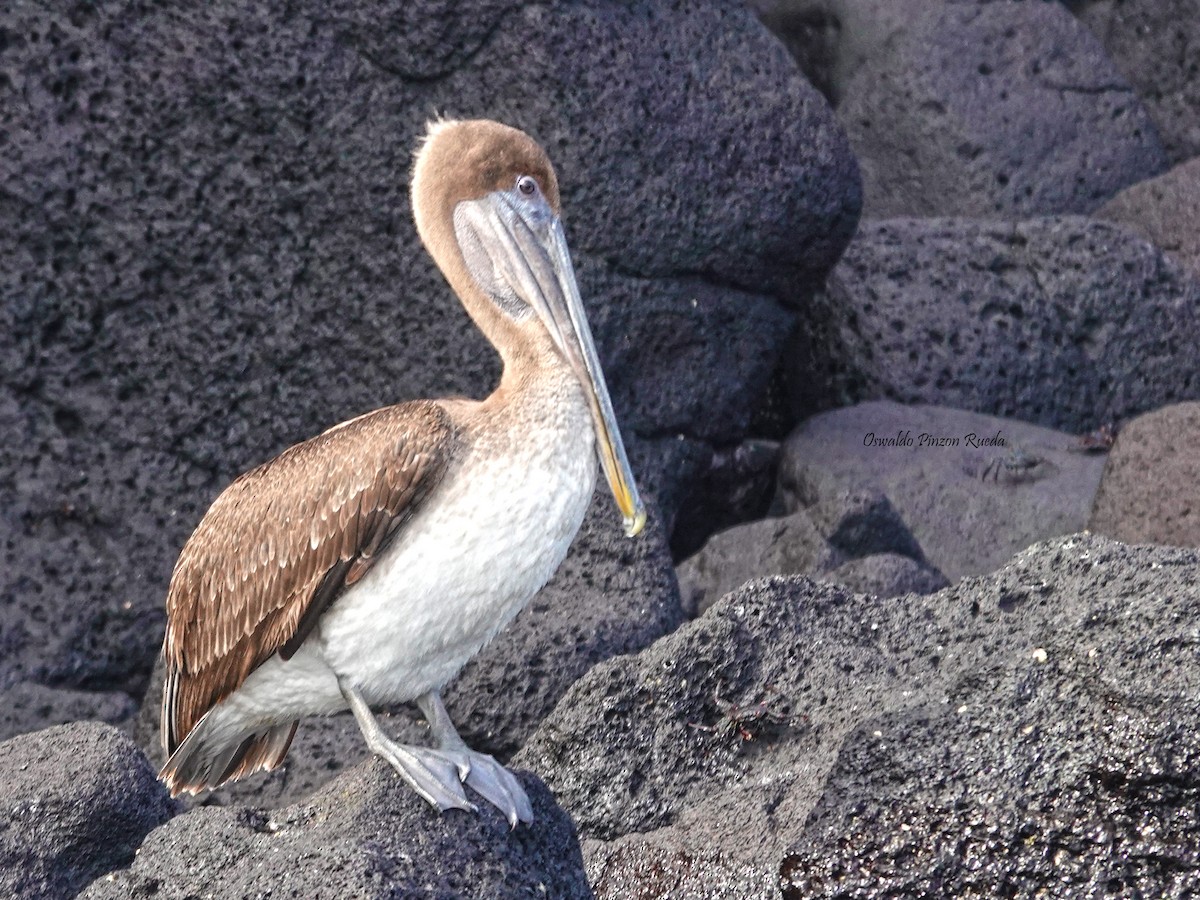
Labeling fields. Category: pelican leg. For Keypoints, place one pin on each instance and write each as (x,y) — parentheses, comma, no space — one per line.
(480,771)
(433,776)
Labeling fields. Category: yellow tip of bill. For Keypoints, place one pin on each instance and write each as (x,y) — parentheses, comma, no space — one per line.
(635,523)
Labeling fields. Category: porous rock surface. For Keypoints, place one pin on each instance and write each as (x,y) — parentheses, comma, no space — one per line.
(788,545)
(1165,211)
(633,867)
(832,39)
(1005,109)
(973,489)
(77,801)
(29,706)
(210,256)
(1106,803)
(887,575)
(365,834)
(823,539)
(1072,671)
(732,484)
(1156,45)
(1067,322)
(1150,490)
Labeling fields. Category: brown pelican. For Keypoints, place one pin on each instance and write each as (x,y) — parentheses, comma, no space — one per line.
(366,565)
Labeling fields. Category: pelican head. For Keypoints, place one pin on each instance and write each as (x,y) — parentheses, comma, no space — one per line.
(485,199)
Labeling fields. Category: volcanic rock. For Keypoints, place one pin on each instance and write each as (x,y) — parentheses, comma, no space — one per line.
(368,835)
(993,109)
(832,39)
(1166,211)
(886,575)
(78,799)
(631,867)
(1150,491)
(790,545)
(971,489)
(1052,701)
(209,255)
(1066,322)
(29,706)
(1156,46)
(837,527)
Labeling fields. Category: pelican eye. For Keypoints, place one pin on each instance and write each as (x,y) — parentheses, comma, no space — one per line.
(527,185)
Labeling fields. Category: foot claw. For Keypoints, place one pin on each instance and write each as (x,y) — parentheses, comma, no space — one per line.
(431,775)
(497,786)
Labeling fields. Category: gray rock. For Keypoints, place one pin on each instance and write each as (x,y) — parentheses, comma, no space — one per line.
(1106,805)
(734,485)
(209,254)
(818,537)
(1005,109)
(1156,45)
(367,834)
(667,470)
(1150,491)
(631,867)
(832,39)
(29,706)
(1166,211)
(630,103)
(1066,322)
(887,575)
(1071,673)
(970,508)
(860,521)
(788,545)
(78,799)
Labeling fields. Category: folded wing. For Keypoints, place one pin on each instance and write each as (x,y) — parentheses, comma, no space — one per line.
(282,542)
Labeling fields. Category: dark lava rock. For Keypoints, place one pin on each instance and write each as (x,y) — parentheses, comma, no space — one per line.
(832,39)
(612,595)
(29,706)
(725,162)
(887,575)
(861,522)
(366,835)
(1066,322)
(787,545)
(1101,799)
(1150,491)
(209,254)
(735,486)
(811,35)
(836,526)
(1059,692)
(631,867)
(1156,45)
(78,799)
(1004,109)
(1166,211)
(970,503)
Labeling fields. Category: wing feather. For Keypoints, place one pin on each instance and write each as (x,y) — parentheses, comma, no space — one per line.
(283,541)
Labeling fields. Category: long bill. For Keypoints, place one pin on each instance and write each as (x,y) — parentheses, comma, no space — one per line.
(530,254)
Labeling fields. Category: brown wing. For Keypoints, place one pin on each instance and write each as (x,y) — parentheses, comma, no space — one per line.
(282,542)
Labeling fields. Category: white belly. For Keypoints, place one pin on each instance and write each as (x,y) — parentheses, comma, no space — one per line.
(470,563)
(484,543)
